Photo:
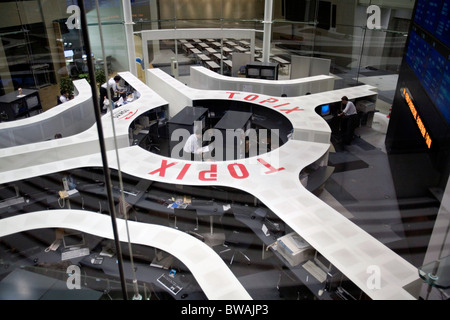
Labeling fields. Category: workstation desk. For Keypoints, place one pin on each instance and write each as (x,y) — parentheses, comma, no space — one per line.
(202,78)
(70,118)
(272,178)
(345,245)
(200,261)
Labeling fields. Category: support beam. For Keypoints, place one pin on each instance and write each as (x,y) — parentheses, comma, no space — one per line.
(268,8)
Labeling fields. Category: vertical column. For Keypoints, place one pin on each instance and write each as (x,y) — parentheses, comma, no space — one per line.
(268,8)
(129,36)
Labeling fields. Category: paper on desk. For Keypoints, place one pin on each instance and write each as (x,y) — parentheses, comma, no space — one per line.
(205,149)
(226,207)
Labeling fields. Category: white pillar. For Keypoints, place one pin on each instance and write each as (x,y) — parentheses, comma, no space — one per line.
(128,21)
(267,29)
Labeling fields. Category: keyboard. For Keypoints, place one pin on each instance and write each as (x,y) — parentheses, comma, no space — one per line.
(169,283)
(74,253)
(315,271)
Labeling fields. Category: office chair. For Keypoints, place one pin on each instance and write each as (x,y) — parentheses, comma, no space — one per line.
(185,220)
(152,142)
(237,237)
(130,212)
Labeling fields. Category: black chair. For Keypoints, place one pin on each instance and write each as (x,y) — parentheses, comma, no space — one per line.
(152,143)
(185,219)
(238,237)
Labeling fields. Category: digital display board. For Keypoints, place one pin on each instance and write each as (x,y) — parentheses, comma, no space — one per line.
(443,93)
(428,51)
(433,73)
(443,25)
(432,15)
(417,54)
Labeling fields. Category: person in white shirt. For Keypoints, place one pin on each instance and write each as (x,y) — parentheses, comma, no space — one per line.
(193,146)
(64,97)
(349,120)
(112,84)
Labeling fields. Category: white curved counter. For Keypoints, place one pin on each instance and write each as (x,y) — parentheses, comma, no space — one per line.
(205,79)
(273,177)
(70,118)
(212,274)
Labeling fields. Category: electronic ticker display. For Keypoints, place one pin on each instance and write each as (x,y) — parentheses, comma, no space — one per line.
(428,54)
(443,25)
(443,93)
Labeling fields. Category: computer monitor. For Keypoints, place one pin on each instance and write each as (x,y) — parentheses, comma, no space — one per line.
(32,102)
(68,53)
(8,192)
(325,110)
(322,262)
(269,73)
(254,72)
(72,240)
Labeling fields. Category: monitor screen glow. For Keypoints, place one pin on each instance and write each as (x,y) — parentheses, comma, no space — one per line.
(325,110)
(68,53)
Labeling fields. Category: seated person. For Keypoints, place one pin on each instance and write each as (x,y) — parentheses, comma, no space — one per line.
(64,97)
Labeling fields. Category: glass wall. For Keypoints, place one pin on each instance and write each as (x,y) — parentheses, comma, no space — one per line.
(359,44)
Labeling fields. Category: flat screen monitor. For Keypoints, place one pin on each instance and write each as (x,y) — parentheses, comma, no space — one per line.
(254,72)
(32,102)
(267,72)
(325,110)
(322,262)
(8,192)
(68,53)
(73,240)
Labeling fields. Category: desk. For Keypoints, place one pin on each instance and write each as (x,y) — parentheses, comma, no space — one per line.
(244,214)
(227,50)
(212,65)
(244,43)
(188,47)
(146,273)
(281,61)
(196,51)
(234,120)
(228,63)
(218,57)
(211,210)
(211,50)
(26,285)
(203,57)
(240,49)
(198,258)
(14,106)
